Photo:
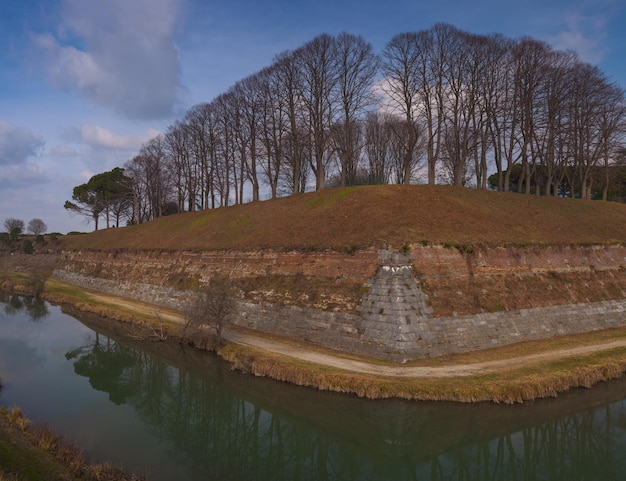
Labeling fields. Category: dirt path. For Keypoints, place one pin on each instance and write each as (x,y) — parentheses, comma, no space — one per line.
(413,371)
(327,359)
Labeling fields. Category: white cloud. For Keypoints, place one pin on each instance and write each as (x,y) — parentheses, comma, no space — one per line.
(85,175)
(585,35)
(119,53)
(21,176)
(17,144)
(63,151)
(102,138)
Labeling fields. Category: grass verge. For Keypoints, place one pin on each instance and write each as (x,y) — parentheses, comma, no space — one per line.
(36,453)
(515,385)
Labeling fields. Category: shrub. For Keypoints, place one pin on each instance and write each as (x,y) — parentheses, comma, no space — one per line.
(465,249)
(351,250)
(27,247)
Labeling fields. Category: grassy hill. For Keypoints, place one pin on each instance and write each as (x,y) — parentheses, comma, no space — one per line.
(370,216)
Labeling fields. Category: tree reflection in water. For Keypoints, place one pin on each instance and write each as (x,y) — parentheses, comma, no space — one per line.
(231,427)
(35,308)
(106,364)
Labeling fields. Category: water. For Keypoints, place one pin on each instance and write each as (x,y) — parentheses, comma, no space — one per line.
(177,414)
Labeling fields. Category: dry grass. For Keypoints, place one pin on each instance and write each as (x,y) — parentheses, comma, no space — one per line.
(38,453)
(514,385)
(357,217)
(162,322)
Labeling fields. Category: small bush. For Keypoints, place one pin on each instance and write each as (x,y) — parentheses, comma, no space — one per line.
(351,250)
(465,249)
(27,247)
(37,284)
(16,417)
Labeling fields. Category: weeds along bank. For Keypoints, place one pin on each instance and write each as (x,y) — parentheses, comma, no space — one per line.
(422,301)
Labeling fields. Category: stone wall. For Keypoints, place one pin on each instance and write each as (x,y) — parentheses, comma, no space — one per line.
(394,318)
(334,330)
(159,296)
(487,330)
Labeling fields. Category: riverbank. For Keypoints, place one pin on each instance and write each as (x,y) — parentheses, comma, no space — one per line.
(515,373)
(36,453)
(512,374)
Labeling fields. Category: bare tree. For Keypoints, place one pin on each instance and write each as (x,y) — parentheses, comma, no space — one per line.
(296,146)
(551,123)
(317,62)
(480,65)
(530,57)
(14,227)
(209,312)
(202,124)
(347,144)
(595,119)
(37,226)
(400,83)
(378,147)
(357,68)
(158,177)
(135,169)
(613,129)
(402,136)
(181,164)
(496,90)
(459,101)
(151,180)
(227,172)
(246,110)
(459,137)
(274,121)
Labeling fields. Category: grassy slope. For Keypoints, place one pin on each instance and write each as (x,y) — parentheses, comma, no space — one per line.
(373,215)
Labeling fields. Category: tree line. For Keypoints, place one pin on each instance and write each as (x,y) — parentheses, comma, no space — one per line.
(440,106)
(15,227)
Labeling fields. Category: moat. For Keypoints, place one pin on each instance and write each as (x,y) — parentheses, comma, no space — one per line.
(174,413)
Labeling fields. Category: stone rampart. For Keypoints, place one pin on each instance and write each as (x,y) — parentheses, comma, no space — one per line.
(394,319)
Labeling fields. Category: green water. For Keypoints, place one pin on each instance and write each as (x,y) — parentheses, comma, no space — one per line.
(176,414)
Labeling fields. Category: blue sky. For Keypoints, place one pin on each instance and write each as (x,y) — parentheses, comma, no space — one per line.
(84,82)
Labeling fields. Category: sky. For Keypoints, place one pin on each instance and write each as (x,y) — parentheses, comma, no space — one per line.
(83,83)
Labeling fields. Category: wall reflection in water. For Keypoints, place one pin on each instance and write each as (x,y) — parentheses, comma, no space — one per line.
(229,426)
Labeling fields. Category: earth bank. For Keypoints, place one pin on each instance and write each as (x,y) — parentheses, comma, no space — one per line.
(385,274)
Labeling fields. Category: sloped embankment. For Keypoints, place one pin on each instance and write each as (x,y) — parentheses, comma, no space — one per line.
(394,272)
